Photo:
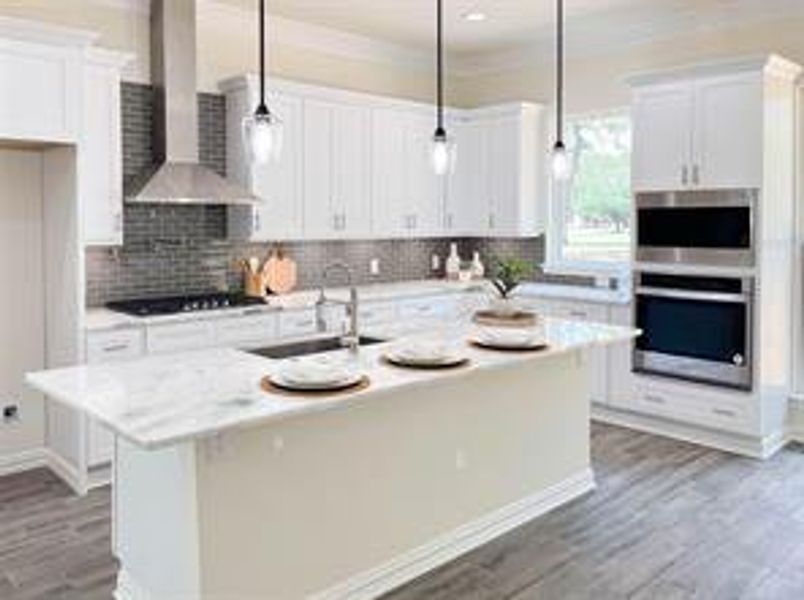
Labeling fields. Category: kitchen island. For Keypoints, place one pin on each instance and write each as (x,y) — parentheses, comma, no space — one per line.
(223,490)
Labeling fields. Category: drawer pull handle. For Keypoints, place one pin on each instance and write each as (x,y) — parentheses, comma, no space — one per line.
(655,399)
(116,347)
(578,314)
(724,412)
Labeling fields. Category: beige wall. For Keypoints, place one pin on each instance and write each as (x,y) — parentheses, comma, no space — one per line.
(598,82)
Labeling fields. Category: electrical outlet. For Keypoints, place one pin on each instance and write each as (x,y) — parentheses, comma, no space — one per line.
(435,262)
(374,266)
(11,413)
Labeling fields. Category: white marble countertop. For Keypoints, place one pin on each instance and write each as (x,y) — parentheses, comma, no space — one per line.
(159,401)
(102,318)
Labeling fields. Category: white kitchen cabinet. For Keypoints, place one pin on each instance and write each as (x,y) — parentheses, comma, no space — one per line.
(166,338)
(621,388)
(504,190)
(728,130)
(246,331)
(101,154)
(465,211)
(698,133)
(388,171)
(337,203)
(662,137)
(40,84)
(424,189)
(107,347)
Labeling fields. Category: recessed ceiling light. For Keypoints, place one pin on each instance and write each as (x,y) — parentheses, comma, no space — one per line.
(475,16)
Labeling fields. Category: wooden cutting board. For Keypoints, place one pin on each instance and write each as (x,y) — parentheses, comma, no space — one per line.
(279,272)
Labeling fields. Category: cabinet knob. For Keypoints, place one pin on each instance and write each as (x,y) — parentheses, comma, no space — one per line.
(696,174)
(685,175)
(257,221)
(118,221)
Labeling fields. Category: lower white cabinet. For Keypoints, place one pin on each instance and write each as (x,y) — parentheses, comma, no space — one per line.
(106,347)
(247,331)
(178,337)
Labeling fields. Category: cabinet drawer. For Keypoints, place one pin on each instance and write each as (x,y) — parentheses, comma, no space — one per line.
(376,314)
(112,345)
(248,331)
(176,337)
(694,406)
(580,311)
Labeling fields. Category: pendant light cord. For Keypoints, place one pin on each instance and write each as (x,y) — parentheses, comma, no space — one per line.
(440,62)
(559,70)
(262,55)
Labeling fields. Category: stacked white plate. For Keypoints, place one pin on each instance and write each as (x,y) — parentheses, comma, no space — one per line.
(510,339)
(425,355)
(316,375)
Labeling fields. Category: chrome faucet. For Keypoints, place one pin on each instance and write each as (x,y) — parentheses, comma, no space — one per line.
(352,339)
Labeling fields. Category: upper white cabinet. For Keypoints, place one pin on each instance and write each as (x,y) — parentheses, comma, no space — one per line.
(101,154)
(499,185)
(336,170)
(357,166)
(40,83)
(699,131)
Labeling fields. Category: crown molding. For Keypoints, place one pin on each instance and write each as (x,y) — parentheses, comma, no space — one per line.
(25,30)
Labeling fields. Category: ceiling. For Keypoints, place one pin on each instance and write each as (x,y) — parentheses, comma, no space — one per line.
(514,23)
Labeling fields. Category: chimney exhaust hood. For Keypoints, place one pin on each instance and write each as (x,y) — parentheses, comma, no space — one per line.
(178,177)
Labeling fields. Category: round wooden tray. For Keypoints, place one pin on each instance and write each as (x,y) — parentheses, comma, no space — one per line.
(539,348)
(400,365)
(520,318)
(269,386)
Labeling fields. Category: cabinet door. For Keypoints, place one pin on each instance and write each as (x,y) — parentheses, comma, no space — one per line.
(663,117)
(351,203)
(388,173)
(728,133)
(504,159)
(278,183)
(590,313)
(101,178)
(319,217)
(466,209)
(425,189)
(621,378)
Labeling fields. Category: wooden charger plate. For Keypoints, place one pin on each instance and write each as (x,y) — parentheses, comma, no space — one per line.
(267,385)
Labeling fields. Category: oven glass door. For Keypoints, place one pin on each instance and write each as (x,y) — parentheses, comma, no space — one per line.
(711,228)
(705,330)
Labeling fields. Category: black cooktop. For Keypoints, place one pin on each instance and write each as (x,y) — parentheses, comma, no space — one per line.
(171,305)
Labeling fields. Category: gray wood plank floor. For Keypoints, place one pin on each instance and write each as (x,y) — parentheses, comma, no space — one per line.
(669,520)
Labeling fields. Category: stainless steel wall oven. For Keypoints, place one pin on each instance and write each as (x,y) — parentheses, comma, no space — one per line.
(697,328)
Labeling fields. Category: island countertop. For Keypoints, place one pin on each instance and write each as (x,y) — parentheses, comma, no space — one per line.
(159,401)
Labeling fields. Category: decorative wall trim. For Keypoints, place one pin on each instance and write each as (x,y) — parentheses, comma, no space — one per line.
(753,447)
(412,564)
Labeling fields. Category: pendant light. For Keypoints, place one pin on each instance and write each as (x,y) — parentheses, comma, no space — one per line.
(561,165)
(443,149)
(262,131)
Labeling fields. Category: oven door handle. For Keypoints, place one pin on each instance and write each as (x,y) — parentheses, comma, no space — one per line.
(692,295)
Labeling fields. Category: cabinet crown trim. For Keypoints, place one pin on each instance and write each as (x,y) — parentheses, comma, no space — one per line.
(23,30)
(771,64)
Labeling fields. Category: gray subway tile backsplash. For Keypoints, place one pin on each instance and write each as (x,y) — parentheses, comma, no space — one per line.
(185,249)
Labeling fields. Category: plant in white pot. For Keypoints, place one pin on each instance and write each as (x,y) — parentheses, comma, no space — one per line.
(507,274)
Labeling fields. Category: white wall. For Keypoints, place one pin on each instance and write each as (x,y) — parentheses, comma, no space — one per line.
(22,336)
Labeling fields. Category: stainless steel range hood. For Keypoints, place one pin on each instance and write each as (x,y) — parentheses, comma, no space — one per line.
(178,177)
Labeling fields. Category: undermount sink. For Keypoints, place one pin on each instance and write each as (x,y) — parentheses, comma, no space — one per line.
(310,347)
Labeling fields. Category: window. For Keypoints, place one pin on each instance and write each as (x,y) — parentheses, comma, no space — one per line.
(590,227)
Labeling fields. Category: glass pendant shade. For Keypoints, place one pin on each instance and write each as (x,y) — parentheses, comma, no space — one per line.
(560,162)
(263,136)
(443,153)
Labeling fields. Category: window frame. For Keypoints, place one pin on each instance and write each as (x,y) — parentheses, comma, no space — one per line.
(555,261)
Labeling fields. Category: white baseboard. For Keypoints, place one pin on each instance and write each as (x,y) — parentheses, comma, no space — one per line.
(26,460)
(417,562)
(795,419)
(414,563)
(753,447)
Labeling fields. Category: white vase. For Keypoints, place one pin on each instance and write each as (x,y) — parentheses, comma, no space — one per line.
(505,307)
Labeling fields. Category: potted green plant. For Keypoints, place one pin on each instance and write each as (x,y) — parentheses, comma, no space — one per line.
(507,274)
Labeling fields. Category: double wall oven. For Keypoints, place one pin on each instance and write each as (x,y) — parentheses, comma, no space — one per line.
(694,290)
